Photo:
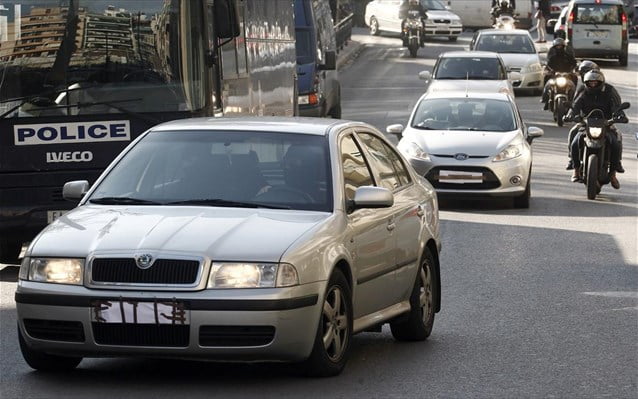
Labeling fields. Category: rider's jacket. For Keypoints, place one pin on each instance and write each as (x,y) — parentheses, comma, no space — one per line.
(406,7)
(561,61)
(607,100)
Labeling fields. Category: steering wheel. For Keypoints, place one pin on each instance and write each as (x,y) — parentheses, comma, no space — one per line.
(291,194)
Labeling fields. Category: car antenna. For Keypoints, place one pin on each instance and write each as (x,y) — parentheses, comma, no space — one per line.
(467,84)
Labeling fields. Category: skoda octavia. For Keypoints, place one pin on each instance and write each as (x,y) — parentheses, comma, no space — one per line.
(247,239)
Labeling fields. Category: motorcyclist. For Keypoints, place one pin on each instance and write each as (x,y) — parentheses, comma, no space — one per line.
(404,9)
(500,7)
(559,59)
(598,95)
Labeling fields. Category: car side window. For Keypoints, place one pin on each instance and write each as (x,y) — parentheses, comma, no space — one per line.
(386,162)
(356,171)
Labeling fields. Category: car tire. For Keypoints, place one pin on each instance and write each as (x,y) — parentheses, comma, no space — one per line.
(452,38)
(417,324)
(334,331)
(45,362)
(9,251)
(374,27)
(622,60)
(523,200)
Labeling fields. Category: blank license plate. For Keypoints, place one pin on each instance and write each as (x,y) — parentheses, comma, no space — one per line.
(53,215)
(135,312)
(597,34)
(458,177)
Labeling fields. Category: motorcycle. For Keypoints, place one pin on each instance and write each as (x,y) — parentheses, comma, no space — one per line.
(561,95)
(412,31)
(505,22)
(595,153)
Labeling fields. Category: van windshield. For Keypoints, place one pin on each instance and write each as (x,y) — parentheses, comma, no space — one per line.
(598,14)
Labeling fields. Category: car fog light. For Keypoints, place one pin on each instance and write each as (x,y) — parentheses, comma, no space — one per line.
(516,180)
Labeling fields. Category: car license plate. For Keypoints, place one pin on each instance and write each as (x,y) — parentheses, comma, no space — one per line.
(53,215)
(136,312)
(597,34)
(460,177)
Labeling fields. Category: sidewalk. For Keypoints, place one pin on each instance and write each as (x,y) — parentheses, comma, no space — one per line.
(348,53)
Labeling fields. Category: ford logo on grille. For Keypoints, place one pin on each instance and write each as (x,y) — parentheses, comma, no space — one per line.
(461,157)
(144,261)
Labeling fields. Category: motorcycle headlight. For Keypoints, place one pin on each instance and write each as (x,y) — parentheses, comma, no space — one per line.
(595,132)
(510,152)
(561,81)
(52,270)
(413,150)
(252,275)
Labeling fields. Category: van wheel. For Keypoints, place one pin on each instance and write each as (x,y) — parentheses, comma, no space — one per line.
(335,112)
(45,362)
(622,60)
(374,27)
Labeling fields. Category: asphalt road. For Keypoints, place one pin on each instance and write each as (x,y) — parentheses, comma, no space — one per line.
(536,303)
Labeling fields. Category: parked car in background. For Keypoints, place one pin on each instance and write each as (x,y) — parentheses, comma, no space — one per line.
(518,52)
(246,239)
(383,16)
(318,79)
(557,10)
(470,145)
(598,29)
(474,71)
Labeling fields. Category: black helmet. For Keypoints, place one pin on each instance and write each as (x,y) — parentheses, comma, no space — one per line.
(558,42)
(594,81)
(586,66)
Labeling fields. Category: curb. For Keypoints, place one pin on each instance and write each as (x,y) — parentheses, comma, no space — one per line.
(349,53)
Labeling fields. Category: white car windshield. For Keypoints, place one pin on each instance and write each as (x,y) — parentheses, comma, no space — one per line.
(464,114)
(243,169)
(517,44)
(469,68)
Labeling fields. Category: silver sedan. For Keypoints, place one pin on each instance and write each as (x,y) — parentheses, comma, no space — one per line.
(248,239)
(470,144)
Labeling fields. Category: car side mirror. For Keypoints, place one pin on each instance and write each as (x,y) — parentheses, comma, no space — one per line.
(534,132)
(330,63)
(397,130)
(369,197)
(75,190)
(425,75)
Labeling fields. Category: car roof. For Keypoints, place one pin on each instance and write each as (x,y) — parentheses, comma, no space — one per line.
(312,126)
(521,32)
(469,95)
(470,54)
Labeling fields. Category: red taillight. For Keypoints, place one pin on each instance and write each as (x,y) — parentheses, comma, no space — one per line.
(313,99)
(570,21)
(623,18)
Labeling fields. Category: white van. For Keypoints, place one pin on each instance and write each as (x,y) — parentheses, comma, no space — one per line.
(476,13)
(598,29)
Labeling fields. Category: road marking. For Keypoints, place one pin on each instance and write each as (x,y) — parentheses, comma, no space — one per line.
(614,294)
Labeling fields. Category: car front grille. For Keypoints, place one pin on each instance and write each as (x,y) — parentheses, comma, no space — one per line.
(55,330)
(236,335)
(490,181)
(161,335)
(442,21)
(163,271)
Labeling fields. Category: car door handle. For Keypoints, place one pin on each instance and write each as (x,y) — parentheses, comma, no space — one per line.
(419,211)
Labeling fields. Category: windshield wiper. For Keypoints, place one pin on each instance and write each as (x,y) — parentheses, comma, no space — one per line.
(424,127)
(226,203)
(122,201)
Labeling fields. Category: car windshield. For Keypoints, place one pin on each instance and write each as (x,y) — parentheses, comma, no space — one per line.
(518,44)
(468,68)
(598,14)
(245,169)
(433,5)
(61,58)
(473,114)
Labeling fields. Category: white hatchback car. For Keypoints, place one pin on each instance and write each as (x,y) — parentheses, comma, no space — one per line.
(517,50)
(383,16)
(474,71)
(470,144)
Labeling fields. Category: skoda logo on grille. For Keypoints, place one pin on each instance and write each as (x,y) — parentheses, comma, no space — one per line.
(461,157)
(144,261)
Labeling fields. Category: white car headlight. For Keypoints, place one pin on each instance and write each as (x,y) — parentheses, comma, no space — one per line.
(561,81)
(595,132)
(52,270)
(252,275)
(510,152)
(536,67)
(413,150)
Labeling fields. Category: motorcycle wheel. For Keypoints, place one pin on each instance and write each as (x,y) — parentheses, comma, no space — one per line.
(560,111)
(414,49)
(592,177)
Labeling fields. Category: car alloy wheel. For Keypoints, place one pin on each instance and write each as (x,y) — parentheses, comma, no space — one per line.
(335,324)
(426,301)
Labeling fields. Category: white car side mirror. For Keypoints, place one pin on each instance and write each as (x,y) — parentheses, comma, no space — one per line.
(425,75)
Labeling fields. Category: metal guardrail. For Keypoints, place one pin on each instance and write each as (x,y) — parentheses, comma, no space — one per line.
(343,32)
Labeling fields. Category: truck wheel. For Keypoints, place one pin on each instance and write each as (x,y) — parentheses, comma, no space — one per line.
(622,60)
(9,250)
(45,362)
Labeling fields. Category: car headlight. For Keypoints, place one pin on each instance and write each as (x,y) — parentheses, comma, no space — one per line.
(413,150)
(534,68)
(595,132)
(561,81)
(252,275)
(510,152)
(52,270)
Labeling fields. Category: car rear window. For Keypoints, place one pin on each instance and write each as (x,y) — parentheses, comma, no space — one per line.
(598,14)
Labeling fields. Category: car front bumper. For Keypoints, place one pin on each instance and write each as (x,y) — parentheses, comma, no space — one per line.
(527,80)
(436,30)
(290,314)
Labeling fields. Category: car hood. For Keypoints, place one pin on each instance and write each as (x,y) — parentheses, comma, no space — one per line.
(442,14)
(519,60)
(445,142)
(491,86)
(218,233)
